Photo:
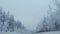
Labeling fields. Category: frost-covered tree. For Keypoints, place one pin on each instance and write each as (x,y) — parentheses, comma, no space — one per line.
(17,26)
(2,19)
(52,21)
(8,23)
(1,23)
(11,23)
(57,13)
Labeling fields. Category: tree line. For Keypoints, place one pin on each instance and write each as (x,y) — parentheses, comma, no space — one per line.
(8,23)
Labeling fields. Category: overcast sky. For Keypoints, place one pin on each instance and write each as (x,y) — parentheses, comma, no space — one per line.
(29,12)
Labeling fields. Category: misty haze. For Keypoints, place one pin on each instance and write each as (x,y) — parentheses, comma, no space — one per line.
(30,16)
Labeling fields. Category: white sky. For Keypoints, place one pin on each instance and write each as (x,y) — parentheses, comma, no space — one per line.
(29,12)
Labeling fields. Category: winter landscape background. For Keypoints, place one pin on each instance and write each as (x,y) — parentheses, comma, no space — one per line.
(29,16)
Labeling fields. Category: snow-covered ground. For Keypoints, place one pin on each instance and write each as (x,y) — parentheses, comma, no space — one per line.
(56,32)
(13,33)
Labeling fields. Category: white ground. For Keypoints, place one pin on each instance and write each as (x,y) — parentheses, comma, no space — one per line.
(56,32)
(13,33)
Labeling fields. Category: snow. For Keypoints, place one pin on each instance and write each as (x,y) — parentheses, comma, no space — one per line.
(56,32)
(13,33)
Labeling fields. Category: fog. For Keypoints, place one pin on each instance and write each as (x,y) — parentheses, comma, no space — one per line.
(29,12)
